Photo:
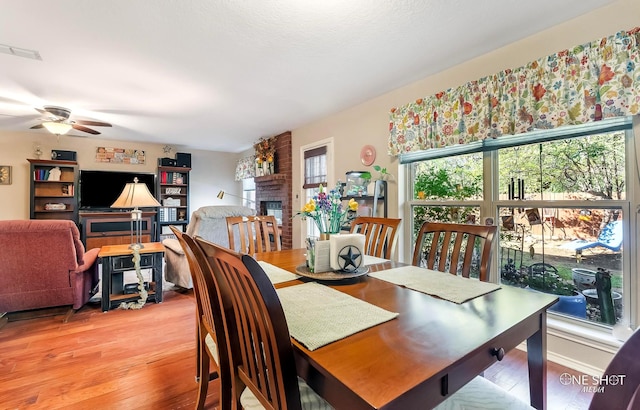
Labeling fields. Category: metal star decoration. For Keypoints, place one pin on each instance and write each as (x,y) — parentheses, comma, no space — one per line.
(350,256)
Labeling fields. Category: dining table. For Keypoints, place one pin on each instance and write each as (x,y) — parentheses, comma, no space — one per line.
(432,348)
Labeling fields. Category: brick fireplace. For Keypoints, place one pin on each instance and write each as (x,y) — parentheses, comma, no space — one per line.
(276,190)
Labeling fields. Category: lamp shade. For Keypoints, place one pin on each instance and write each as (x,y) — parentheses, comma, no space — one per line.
(135,194)
(221,195)
(58,128)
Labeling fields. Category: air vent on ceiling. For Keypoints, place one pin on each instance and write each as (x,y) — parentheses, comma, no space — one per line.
(20,52)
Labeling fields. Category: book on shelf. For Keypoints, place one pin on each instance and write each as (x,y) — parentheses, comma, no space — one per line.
(168,214)
(167,177)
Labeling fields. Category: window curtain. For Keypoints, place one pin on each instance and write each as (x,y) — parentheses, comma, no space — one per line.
(246,168)
(588,83)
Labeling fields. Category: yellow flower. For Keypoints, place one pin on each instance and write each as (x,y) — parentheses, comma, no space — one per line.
(353,205)
(309,206)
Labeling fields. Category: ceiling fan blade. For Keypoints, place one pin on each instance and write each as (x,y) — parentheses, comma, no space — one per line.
(84,129)
(35,127)
(93,123)
(41,111)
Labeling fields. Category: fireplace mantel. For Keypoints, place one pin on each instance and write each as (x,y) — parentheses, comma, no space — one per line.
(273,179)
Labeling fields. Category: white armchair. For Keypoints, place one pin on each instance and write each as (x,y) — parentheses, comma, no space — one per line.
(208,222)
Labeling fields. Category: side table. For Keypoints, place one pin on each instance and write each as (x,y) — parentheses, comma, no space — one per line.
(116,259)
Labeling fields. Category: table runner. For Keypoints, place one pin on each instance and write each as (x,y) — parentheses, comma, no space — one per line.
(318,315)
(444,285)
(277,275)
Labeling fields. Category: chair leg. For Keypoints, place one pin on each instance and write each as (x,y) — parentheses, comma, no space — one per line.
(203,376)
(68,315)
(198,353)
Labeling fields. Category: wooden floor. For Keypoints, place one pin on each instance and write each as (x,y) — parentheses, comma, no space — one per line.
(145,359)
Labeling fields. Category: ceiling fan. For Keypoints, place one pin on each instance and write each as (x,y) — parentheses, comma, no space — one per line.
(57,121)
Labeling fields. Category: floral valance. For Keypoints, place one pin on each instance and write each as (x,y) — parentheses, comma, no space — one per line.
(246,168)
(588,83)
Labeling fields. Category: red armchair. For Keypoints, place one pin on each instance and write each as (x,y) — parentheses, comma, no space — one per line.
(44,264)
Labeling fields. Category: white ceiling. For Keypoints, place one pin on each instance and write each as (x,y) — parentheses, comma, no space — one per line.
(218,75)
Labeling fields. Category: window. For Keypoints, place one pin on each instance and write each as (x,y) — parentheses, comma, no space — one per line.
(315,173)
(248,192)
(561,201)
(315,167)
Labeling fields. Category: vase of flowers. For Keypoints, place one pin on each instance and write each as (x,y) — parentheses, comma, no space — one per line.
(327,212)
(265,156)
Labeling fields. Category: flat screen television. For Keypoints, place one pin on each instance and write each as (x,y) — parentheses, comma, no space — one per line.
(99,189)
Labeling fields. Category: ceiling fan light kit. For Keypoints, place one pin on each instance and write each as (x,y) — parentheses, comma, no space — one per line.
(58,128)
(57,121)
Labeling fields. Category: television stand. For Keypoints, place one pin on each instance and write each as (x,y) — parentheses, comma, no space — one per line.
(113,228)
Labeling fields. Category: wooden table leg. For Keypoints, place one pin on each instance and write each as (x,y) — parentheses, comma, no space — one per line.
(537,358)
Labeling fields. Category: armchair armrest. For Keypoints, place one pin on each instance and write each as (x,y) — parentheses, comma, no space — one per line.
(90,258)
(173,245)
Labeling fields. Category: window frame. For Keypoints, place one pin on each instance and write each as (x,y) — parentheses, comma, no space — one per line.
(490,203)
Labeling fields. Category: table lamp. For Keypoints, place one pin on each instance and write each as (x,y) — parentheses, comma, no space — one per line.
(135,194)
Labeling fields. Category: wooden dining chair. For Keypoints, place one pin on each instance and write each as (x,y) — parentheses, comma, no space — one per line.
(380,234)
(455,248)
(261,355)
(618,392)
(208,325)
(253,234)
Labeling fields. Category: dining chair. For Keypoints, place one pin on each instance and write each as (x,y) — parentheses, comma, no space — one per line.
(621,379)
(263,367)
(253,234)
(208,325)
(380,234)
(455,248)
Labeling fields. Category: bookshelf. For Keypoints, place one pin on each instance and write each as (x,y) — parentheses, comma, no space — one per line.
(53,194)
(173,194)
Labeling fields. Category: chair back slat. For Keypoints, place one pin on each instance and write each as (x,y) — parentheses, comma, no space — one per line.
(380,234)
(261,353)
(455,248)
(253,234)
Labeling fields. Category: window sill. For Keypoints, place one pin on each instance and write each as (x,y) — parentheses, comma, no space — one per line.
(599,338)
(582,347)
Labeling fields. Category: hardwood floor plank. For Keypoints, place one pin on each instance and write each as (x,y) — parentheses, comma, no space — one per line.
(145,359)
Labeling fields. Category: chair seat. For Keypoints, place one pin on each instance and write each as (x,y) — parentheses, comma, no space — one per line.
(211,346)
(309,399)
(480,393)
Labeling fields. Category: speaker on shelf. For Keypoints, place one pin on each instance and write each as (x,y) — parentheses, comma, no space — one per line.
(166,162)
(60,155)
(183,159)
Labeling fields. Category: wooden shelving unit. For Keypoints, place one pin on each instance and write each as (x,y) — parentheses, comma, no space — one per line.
(53,199)
(173,193)
(376,200)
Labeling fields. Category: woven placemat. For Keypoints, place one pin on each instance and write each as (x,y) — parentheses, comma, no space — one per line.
(443,285)
(318,315)
(276,274)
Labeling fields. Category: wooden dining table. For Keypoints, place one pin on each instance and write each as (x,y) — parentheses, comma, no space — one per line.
(432,349)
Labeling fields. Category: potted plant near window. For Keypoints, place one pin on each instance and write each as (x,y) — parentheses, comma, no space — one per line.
(543,277)
(383,176)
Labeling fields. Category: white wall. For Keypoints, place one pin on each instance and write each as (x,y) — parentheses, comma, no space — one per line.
(211,171)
